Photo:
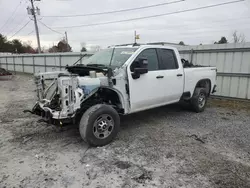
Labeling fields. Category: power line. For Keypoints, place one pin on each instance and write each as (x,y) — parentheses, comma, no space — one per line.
(20,23)
(153,16)
(117,11)
(20,29)
(181,26)
(50,28)
(193,31)
(17,26)
(30,32)
(12,14)
(185,37)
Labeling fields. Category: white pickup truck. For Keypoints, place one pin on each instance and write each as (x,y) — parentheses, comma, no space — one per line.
(119,81)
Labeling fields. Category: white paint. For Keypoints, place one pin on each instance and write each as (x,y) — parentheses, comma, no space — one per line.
(146,92)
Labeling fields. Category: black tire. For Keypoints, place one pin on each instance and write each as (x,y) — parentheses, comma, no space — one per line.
(92,120)
(196,103)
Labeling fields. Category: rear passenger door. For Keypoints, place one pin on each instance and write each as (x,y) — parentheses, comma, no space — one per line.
(173,74)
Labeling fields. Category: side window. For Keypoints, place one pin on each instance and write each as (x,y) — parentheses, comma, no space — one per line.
(152,58)
(168,59)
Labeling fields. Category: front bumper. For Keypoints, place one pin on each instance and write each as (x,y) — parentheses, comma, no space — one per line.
(48,117)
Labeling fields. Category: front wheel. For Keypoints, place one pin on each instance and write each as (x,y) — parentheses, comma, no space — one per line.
(99,125)
(199,100)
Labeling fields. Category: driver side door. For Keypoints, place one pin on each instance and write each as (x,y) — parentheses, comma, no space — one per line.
(147,91)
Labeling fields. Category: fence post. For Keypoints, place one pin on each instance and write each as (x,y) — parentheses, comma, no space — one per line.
(60,61)
(14,64)
(81,57)
(33,58)
(192,54)
(23,63)
(6,62)
(45,64)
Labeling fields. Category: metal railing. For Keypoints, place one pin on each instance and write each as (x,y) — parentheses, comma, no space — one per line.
(40,62)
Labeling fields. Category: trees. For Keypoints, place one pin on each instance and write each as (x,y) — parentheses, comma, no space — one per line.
(29,49)
(3,41)
(17,46)
(223,40)
(83,49)
(181,43)
(62,46)
(238,38)
(14,46)
(53,49)
(5,46)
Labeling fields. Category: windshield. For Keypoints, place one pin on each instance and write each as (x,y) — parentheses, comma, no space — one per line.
(114,57)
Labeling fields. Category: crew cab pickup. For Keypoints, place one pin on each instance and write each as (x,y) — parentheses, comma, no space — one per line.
(119,81)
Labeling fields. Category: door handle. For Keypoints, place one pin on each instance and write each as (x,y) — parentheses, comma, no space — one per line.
(158,77)
(179,75)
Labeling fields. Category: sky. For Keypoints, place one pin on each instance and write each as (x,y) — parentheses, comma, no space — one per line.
(193,27)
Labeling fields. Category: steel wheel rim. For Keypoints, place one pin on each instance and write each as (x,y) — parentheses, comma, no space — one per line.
(103,126)
(202,100)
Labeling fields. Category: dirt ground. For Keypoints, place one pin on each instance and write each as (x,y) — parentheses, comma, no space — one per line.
(164,147)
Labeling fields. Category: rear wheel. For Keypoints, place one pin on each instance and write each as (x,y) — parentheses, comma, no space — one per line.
(99,125)
(199,100)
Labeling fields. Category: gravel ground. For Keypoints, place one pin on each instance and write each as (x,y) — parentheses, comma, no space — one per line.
(164,147)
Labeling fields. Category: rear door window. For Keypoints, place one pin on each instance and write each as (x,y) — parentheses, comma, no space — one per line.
(167,59)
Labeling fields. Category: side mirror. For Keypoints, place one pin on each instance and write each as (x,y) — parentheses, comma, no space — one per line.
(143,62)
(139,67)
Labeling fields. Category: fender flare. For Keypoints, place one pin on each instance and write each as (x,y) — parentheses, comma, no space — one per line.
(119,94)
(204,80)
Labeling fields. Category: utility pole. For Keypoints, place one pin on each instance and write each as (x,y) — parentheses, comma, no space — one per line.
(136,37)
(66,38)
(33,12)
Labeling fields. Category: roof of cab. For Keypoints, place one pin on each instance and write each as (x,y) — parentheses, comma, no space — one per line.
(142,46)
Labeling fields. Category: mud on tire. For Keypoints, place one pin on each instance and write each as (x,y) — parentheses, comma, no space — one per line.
(99,125)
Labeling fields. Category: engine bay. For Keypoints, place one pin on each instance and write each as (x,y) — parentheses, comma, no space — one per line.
(61,93)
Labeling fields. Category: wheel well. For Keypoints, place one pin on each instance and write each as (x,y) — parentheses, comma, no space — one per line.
(204,83)
(111,97)
(101,96)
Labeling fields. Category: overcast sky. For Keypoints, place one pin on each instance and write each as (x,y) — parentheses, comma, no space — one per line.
(201,26)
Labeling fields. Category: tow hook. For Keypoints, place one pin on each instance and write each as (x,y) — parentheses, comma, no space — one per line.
(34,109)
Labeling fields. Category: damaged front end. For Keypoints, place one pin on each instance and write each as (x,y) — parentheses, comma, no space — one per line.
(58,97)
(63,96)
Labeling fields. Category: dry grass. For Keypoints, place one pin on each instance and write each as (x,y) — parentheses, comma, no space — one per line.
(230,104)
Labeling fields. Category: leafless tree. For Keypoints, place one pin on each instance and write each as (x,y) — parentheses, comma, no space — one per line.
(238,38)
